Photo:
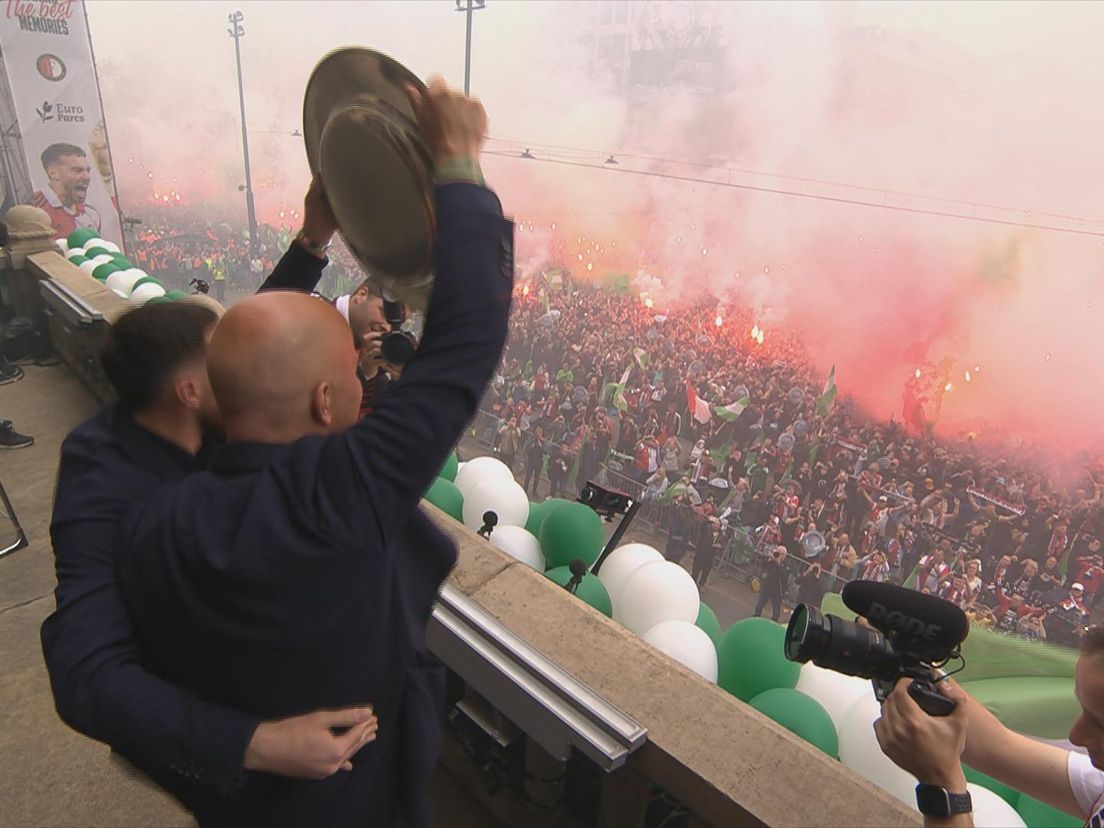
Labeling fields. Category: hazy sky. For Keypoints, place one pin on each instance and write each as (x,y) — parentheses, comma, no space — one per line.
(988,103)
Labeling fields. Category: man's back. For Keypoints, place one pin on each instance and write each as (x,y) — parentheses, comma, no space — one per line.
(264,610)
(294,575)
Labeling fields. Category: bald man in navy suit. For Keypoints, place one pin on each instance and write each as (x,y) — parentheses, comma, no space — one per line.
(298,573)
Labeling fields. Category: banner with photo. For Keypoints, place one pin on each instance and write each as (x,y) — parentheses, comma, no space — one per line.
(49,69)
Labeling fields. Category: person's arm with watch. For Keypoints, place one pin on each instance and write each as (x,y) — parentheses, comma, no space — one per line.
(926,747)
(930,748)
(301,266)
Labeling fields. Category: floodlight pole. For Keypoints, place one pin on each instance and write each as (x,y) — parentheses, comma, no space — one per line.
(468,6)
(237,32)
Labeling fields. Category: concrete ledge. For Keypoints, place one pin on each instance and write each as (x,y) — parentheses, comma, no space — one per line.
(52,265)
(724,760)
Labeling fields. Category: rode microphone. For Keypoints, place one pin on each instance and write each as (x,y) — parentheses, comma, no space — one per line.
(908,636)
(921,625)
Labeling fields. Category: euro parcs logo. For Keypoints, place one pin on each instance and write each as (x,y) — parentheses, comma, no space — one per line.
(51,67)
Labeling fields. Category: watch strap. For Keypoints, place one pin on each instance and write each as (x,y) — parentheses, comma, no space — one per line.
(312,246)
(934,801)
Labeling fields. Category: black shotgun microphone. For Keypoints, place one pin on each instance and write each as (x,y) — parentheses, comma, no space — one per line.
(923,625)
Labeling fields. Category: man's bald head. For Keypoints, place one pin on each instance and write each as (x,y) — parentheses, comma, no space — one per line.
(282,365)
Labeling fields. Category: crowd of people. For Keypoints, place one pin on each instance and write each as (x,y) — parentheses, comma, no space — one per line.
(177,247)
(598,385)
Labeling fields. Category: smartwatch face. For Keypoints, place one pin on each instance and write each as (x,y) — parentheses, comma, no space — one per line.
(932,801)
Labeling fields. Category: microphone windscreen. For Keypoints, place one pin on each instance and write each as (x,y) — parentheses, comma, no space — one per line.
(578,567)
(936,625)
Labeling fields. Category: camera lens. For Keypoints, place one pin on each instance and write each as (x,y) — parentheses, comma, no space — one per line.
(806,634)
(397,347)
(836,644)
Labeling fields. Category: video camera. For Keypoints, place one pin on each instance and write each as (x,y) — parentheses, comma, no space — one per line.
(398,345)
(914,635)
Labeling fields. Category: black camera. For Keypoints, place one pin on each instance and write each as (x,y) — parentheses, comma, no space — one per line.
(397,346)
(606,502)
(912,635)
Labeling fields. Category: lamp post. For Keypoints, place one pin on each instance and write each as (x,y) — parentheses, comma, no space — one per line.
(237,32)
(468,6)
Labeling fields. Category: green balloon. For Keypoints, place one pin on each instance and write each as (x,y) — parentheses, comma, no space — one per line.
(448,471)
(93,252)
(106,269)
(145,280)
(173,295)
(750,659)
(800,714)
(707,621)
(570,531)
(122,261)
(445,496)
(78,238)
(1009,795)
(591,590)
(1040,815)
(539,511)
(159,300)
(77,261)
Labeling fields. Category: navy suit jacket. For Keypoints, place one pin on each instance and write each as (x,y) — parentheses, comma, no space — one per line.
(109,464)
(293,577)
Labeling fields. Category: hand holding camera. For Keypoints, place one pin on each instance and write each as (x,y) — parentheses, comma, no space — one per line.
(930,748)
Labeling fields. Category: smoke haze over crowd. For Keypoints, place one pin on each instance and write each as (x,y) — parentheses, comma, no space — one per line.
(984,111)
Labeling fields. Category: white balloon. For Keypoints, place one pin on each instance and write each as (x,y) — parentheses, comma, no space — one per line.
(836,692)
(990,811)
(103,258)
(63,244)
(477,470)
(620,565)
(107,245)
(859,750)
(657,592)
(124,280)
(89,266)
(121,294)
(687,644)
(73,252)
(143,293)
(503,497)
(516,541)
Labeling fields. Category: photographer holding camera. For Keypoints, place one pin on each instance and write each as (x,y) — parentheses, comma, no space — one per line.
(933,748)
(929,726)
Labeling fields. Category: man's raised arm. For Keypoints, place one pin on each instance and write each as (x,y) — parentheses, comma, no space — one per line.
(387,461)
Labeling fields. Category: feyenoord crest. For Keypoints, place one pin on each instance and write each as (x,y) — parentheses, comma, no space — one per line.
(362,136)
(51,67)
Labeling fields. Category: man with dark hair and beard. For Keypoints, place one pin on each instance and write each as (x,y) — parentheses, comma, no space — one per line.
(65,201)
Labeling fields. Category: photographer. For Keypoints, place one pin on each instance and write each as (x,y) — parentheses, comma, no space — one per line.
(933,749)
(367,317)
(776,576)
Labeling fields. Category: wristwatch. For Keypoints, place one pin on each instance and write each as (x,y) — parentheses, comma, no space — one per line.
(311,246)
(934,801)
